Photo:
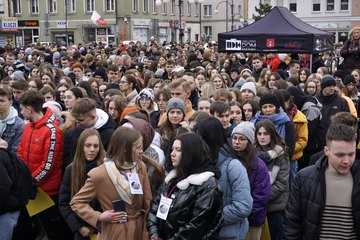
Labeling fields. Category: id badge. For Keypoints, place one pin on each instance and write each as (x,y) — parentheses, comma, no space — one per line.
(134,182)
(164,207)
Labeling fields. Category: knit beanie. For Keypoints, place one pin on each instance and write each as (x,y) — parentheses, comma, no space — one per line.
(247,129)
(147,93)
(18,75)
(349,79)
(100,72)
(128,110)
(327,81)
(270,98)
(55,107)
(235,69)
(239,83)
(28,51)
(249,86)
(175,103)
(340,74)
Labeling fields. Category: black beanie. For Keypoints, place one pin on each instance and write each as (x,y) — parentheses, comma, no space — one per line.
(349,79)
(340,74)
(270,98)
(100,72)
(327,81)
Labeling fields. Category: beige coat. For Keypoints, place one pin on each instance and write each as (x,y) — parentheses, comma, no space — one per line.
(99,186)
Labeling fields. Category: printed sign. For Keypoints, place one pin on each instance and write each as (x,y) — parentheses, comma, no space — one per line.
(9,24)
(270,43)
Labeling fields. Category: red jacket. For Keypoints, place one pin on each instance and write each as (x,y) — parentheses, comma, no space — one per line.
(41,148)
(273,63)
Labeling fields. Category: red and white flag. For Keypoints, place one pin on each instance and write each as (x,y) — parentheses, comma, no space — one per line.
(97,19)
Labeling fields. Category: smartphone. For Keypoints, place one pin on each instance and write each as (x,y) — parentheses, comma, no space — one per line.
(119,205)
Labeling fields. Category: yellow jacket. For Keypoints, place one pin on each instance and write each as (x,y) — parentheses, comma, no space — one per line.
(350,103)
(301,133)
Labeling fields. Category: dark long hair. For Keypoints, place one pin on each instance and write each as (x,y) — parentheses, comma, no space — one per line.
(275,138)
(213,133)
(246,156)
(194,154)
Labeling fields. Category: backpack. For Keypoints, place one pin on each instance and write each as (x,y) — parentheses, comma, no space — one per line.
(24,186)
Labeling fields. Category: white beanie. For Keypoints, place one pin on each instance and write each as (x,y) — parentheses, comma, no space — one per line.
(249,86)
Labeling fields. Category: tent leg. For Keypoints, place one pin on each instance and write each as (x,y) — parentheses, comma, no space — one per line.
(311,62)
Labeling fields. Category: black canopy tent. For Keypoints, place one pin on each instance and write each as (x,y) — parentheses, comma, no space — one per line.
(279,32)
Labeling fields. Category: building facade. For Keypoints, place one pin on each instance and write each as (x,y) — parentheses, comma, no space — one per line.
(68,21)
(336,16)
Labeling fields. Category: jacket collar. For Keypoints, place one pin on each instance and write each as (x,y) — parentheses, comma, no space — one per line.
(194,179)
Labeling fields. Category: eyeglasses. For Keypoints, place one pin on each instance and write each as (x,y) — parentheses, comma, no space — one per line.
(239,139)
(123,82)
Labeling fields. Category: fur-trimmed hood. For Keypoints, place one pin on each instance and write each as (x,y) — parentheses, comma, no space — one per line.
(194,179)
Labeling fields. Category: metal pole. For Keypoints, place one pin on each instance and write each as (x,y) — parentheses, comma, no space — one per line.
(181,34)
(232,15)
(66,23)
(227,16)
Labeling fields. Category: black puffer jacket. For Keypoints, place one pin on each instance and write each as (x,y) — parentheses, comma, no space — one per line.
(307,201)
(196,211)
(8,201)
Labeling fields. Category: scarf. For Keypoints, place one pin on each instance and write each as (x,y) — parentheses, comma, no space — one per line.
(11,115)
(268,156)
(292,111)
(120,181)
(278,119)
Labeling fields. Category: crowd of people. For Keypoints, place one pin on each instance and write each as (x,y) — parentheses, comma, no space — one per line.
(178,141)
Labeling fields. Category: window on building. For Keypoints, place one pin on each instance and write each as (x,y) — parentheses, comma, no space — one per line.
(71,6)
(196,9)
(207,10)
(316,6)
(110,5)
(330,5)
(146,6)
(292,5)
(34,6)
(188,9)
(164,8)
(154,7)
(172,7)
(239,10)
(90,5)
(344,5)
(135,5)
(208,30)
(52,6)
(17,6)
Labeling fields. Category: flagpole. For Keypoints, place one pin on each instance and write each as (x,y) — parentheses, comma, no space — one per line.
(98,20)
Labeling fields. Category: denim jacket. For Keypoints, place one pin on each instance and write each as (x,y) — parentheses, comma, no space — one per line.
(13,132)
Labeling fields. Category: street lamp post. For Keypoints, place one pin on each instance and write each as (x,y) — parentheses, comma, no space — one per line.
(200,2)
(181,30)
(66,23)
(232,13)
